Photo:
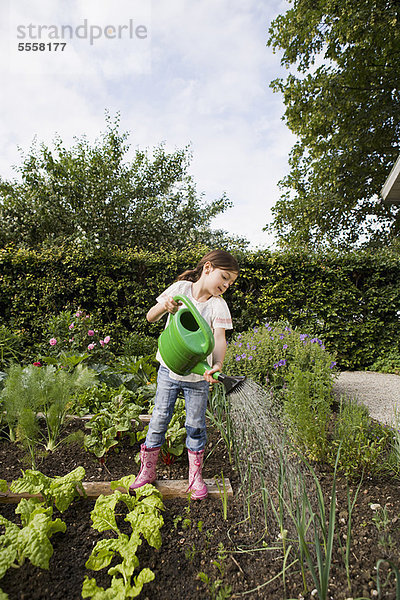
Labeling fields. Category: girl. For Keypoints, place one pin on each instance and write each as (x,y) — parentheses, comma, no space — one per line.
(204,286)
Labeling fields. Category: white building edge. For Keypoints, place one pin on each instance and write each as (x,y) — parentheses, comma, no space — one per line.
(391,189)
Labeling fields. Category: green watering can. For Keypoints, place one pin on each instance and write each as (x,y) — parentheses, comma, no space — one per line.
(187,341)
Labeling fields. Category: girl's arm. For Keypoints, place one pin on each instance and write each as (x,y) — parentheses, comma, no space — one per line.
(161,308)
(218,354)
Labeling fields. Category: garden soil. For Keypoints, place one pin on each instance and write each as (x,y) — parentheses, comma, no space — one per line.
(196,538)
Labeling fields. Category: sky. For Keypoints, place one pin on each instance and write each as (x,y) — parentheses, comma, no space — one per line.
(179,72)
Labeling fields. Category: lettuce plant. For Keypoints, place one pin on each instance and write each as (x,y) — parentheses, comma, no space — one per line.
(31,541)
(146,521)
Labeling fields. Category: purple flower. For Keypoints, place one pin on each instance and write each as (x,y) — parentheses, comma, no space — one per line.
(333,364)
(303,336)
(284,346)
(276,365)
(282,362)
(250,357)
(53,342)
(238,357)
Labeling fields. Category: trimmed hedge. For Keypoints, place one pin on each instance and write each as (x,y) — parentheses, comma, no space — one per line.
(351,301)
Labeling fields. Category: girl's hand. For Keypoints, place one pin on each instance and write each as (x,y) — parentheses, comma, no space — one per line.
(208,375)
(171,306)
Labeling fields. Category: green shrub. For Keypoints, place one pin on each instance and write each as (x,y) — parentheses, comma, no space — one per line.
(389,362)
(299,371)
(76,333)
(136,344)
(267,354)
(365,444)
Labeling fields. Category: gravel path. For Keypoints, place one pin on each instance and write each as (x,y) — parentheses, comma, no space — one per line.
(380,392)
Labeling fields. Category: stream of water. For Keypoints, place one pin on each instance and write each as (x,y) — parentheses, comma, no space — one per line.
(261,453)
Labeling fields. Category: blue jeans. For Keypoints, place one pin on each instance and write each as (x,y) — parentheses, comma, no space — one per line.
(196,396)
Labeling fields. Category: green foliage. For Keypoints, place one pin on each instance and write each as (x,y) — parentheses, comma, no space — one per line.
(10,346)
(103,397)
(30,390)
(307,409)
(175,435)
(32,540)
(350,300)
(389,362)
(269,353)
(298,369)
(92,196)
(139,345)
(74,335)
(55,490)
(144,516)
(343,105)
(106,426)
(364,444)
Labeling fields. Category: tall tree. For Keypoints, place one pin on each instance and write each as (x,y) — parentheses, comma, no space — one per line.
(92,194)
(343,103)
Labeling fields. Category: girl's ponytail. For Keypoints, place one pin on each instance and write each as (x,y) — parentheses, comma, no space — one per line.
(220,259)
(191,274)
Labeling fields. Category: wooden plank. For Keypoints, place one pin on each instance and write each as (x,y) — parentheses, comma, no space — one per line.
(142,418)
(169,488)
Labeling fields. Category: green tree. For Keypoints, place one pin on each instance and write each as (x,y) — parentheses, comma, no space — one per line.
(91,194)
(343,103)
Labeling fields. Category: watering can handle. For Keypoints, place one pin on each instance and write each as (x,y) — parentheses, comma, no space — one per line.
(196,315)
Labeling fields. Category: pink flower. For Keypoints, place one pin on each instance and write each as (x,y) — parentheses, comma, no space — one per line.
(107,339)
(71,326)
(102,343)
(37,364)
(90,333)
(91,346)
(71,340)
(53,342)
(78,314)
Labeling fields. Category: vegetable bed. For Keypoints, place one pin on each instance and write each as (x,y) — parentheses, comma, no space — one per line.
(202,554)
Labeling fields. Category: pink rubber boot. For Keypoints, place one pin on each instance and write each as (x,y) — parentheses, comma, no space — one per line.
(197,487)
(147,473)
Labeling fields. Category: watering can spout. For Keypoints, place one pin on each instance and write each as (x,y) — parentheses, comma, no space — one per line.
(231,382)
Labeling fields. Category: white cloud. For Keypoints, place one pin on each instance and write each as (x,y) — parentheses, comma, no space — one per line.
(206,84)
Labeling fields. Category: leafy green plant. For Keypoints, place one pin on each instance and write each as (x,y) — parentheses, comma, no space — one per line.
(216,587)
(136,344)
(144,516)
(108,424)
(307,403)
(175,436)
(97,398)
(31,390)
(138,374)
(74,333)
(218,412)
(389,362)
(364,443)
(59,491)
(10,346)
(323,524)
(31,541)
(267,354)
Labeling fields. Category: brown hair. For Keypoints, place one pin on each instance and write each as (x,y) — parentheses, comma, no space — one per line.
(220,259)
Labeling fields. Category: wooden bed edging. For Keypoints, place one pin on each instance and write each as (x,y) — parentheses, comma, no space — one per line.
(169,488)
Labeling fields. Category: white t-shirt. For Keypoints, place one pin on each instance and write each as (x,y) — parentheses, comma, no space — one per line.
(214,310)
